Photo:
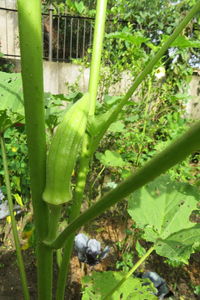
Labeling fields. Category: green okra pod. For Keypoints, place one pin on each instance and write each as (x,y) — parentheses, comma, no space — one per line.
(63,153)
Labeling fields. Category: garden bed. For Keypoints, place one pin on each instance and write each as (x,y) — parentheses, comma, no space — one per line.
(109,230)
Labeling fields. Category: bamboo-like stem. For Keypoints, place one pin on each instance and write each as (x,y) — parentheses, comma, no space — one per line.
(96,52)
(173,154)
(30,33)
(84,158)
(13,223)
(134,268)
(54,217)
(76,205)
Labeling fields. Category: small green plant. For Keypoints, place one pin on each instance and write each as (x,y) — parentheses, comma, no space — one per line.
(126,262)
(197,290)
(6,65)
(169,237)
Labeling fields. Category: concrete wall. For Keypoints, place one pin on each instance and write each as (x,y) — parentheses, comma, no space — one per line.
(193,105)
(9,37)
(57,77)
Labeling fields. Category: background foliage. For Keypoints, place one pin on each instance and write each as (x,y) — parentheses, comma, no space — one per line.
(152,118)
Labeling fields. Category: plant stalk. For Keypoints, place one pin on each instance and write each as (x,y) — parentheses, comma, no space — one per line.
(30,33)
(173,154)
(13,223)
(96,52)
(76,206)
(54,217)
(140,261)
(85,157)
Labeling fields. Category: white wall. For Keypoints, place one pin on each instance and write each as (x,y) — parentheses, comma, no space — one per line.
(58,75)
(9,40)
(193,106)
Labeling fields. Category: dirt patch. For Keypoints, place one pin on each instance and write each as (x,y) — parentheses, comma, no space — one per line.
(109,230)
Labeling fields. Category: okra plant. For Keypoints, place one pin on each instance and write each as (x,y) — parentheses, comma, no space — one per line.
(73,145)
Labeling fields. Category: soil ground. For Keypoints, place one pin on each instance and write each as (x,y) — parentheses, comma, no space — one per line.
(109,230)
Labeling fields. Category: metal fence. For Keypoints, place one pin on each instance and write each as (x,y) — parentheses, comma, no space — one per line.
(65,37)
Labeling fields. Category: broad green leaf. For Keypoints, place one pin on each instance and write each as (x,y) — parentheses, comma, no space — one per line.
(162,208)
(181,244)
(11,92)
(110,159)
(99,284)
(11,100)
(117,126)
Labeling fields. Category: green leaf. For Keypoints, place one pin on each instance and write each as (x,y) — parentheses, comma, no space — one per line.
(16,179)
(80,7)
(18,199)
(110,159)
(137,39)
(162,208)
(99,284)
(117,126)
(110,100)
(182,42)
(140,250)
(180,245)
(197,290)
(11,92)
(11,100)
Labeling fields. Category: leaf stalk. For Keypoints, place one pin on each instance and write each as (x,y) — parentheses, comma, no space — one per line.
(13,222)
(140,261)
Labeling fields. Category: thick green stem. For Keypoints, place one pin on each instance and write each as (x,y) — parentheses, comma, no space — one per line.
(96,52)
(30,33)
(85,158)
(173,154)
(140,261)
(54,217)
(44,271)
(76,205)
(13,223)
